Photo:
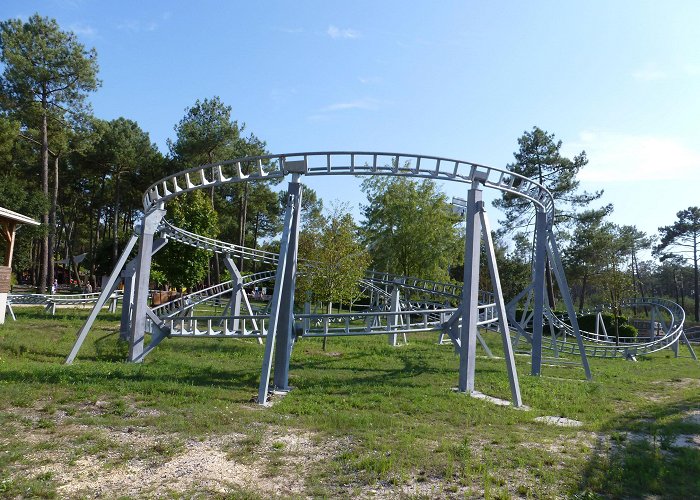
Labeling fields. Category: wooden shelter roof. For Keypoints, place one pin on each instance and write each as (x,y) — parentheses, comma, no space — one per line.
(10,216)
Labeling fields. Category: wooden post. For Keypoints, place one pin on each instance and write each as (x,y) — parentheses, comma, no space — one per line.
(8,234)
(9,221)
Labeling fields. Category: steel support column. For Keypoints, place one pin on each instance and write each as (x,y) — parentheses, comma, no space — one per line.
(128,276)
(394,307)
(234,306)
(501,310)
(538,279)
(137,333)
(470,292)
(285,331)
(273,326)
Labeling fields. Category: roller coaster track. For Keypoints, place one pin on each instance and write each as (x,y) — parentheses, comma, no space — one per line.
(50,301)
(269,167)
(627,348)
(215,246)
(414,316)
(423,305)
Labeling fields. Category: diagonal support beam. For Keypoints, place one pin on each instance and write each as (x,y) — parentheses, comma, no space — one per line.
(501,309)
(285,330)
(234,305)
(276,302)
(128,275)
(137,332)
(102,299)
(158,332)
(689,346)
(555,259)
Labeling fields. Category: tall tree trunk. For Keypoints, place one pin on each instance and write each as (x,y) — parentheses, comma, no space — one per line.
(696,291)
(115,222)
(70,260)
(682,289)
(36,258)
(98,225)
(44,262)
(127,222)
(584,282)
(642,292)
(61,232)
(52,221)
(91,243)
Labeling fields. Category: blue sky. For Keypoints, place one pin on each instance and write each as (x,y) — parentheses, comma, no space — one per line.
(618,79)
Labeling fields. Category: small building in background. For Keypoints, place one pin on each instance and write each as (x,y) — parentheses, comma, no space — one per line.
(9,221)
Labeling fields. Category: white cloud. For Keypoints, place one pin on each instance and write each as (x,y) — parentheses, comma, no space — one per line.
(83,30)
(326,112)
(137,26)
(649,73)
(335,32)
(356,104)
(131,26)
(292,31)
(629,158)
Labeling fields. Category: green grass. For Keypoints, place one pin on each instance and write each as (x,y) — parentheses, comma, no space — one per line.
(378,418)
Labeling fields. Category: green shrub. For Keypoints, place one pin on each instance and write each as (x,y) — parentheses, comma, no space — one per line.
(587,323)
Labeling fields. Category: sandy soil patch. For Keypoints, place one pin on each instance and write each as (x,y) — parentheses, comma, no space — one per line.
(209,465)
(559,421)
(89,462)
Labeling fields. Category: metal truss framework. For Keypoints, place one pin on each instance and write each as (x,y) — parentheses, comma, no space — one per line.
(392,313)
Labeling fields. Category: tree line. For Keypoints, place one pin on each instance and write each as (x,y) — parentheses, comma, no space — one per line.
(84,177)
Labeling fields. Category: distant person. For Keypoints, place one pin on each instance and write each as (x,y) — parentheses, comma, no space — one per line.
(54,287)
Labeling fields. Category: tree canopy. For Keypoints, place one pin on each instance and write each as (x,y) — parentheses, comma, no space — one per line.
(539,158)
(47,74)
(337,260)
(681,239)
(409,227)
(205,134)
(183,266)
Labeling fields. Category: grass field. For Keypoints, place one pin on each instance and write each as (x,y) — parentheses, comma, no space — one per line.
(364,420)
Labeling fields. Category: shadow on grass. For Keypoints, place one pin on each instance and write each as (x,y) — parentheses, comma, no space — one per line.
(169,375)
(645,456)
(366,371)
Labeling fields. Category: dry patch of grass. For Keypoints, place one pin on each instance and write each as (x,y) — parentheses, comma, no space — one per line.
(87,462)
